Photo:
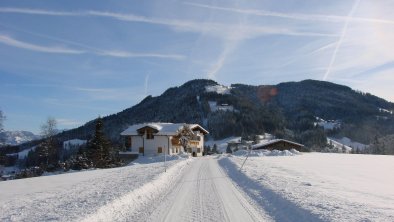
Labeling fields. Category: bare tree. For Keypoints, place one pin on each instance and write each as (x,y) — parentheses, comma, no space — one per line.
(185,134)
(49,128)
(2,118)
(48,147)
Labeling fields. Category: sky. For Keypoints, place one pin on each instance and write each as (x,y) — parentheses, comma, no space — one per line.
(77,60)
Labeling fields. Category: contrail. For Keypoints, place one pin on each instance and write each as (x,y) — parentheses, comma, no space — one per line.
(176,24)
(294,16)
(339,43)
(89,49)
(38,48)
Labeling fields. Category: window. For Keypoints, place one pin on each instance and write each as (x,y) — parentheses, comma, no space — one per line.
(127,142)
(149,135)
(159,150)
(198,150)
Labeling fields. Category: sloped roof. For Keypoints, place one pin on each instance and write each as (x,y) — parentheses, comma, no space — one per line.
(167,129)
(269,142)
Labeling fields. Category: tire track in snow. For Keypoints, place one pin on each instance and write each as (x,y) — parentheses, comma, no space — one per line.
(242,201)
(205,195)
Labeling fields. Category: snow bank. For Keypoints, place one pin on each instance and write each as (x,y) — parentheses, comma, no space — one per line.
(137,200)
(74,196)
(257,153)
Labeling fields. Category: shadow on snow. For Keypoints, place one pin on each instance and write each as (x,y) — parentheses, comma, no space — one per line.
(279,208)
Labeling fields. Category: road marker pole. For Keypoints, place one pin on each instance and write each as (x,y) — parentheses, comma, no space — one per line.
(245,158)
(165,159)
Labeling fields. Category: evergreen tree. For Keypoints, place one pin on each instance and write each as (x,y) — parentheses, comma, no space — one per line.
(99,149)
(2,118)
(229,150)
(215,148)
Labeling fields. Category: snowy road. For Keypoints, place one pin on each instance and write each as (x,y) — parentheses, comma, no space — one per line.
(205,193)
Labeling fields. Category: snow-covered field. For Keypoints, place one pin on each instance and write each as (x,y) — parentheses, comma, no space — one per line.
(318,186)
(272,186)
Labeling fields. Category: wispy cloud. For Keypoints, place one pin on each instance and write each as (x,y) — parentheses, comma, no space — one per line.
(111,94)
(123,54)
(221,30)
(63,50)
(294,16)
(94,90)
(228,48)
(339,43)
(68,122)
(38,48)
(37,11)
(216,29)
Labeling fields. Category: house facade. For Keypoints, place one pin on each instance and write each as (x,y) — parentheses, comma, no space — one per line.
(150,139)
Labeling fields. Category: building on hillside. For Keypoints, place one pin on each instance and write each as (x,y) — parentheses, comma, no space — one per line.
(277,144)
(157,138)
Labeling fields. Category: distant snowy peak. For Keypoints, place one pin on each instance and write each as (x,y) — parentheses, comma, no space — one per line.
(219,89)
(17,137)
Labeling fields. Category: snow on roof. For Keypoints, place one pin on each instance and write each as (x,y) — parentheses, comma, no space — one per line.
(269,142)
(162,128)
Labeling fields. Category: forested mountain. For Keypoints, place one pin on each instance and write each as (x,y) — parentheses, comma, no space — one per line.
(288,110)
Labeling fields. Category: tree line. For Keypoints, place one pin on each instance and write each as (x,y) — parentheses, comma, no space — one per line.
(49,155)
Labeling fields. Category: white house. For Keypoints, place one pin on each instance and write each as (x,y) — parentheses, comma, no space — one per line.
(158,138)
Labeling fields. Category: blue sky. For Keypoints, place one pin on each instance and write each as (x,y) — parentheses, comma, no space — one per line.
(76,60)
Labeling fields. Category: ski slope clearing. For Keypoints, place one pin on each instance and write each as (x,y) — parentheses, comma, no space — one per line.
(317,186)
(88,194)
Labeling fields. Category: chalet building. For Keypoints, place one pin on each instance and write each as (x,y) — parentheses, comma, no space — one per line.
(278,144)
(151,139)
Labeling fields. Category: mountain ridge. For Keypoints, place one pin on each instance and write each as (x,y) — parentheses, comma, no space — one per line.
(286,109)
(17,137)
